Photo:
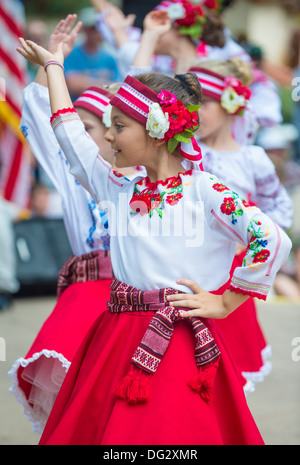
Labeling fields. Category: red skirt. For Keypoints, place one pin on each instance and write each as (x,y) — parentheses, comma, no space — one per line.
(38,376)
(246,339)
(87,412)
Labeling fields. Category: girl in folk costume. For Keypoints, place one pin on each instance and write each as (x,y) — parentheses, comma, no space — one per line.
(252,358)
(249,171)
(153,369)
(84,281)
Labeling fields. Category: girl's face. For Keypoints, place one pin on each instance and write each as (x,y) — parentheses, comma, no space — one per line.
(96,129)
(212,118)
(128,139)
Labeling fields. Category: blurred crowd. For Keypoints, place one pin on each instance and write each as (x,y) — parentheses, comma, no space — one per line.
(102,56)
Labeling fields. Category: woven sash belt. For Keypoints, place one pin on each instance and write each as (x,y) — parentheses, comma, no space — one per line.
(91,266)
(135,387)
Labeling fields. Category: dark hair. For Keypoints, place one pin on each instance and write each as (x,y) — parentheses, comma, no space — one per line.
(213,31)
(185,87)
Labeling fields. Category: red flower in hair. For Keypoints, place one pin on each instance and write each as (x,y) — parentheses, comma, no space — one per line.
(239,88)
(180,119)
(193,12)
(212,4)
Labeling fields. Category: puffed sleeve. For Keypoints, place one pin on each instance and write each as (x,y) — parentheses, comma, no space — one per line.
(37,130)
(86,163)
(267,245)
(271,196)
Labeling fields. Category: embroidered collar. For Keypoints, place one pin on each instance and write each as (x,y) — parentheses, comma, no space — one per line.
(153,196)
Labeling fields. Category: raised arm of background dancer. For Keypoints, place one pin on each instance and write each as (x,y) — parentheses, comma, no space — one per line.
(156,23)
(66,32)
(115,19)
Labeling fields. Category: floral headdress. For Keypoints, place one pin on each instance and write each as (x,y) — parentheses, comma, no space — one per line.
(229,91)
(164,116)
(189,15)
(96,100)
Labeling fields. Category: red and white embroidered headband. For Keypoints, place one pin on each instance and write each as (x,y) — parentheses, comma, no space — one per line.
(95,100)
(212,83)
(149,108)
(229,91)
(135,99)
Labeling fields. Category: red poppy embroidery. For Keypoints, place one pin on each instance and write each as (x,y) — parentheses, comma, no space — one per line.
(262,256)
(147,199)
(220,187)
(118,175)
(228,206)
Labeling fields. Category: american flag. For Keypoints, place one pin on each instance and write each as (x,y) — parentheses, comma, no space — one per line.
(15,162)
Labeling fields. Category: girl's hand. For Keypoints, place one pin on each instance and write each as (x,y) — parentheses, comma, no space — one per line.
(203,303)
(39,55)
(157,21)
(66,33)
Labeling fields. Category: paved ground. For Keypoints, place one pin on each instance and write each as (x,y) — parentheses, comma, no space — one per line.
(275,404)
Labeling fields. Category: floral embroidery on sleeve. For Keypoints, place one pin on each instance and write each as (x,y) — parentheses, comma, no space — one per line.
(257,251)
(230,205)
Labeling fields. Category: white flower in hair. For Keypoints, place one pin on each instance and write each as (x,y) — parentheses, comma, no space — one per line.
(106,118)
(231,101)
(176,11)
(157,121)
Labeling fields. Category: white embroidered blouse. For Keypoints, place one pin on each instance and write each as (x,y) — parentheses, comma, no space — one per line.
(183,227)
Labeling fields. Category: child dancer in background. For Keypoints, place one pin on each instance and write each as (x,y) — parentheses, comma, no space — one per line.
(84,281)
(174,392)
(196,33)
(249,171)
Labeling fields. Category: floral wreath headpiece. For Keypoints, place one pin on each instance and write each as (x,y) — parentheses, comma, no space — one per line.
(164,116)
(229,91)
(189,15)
(96,100)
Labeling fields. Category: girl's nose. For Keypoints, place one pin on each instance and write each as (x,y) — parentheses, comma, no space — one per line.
(108,135)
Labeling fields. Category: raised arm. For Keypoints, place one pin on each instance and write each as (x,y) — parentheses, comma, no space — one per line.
(82,152)
(156,23)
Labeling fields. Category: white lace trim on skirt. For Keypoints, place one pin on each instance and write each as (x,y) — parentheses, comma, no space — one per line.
(45,372)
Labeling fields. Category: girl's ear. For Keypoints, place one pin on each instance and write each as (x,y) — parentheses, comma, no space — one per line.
(157,142)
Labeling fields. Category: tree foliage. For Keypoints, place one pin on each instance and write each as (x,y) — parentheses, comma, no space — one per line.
(54,8)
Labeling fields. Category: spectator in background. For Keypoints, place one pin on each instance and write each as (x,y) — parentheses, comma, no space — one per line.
(91,62)
(45,202)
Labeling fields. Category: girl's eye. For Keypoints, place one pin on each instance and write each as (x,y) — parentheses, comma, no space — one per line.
(119,126)
(87,128)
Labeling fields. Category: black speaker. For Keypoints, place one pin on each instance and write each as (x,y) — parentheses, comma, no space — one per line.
(42,247)
(139,8)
